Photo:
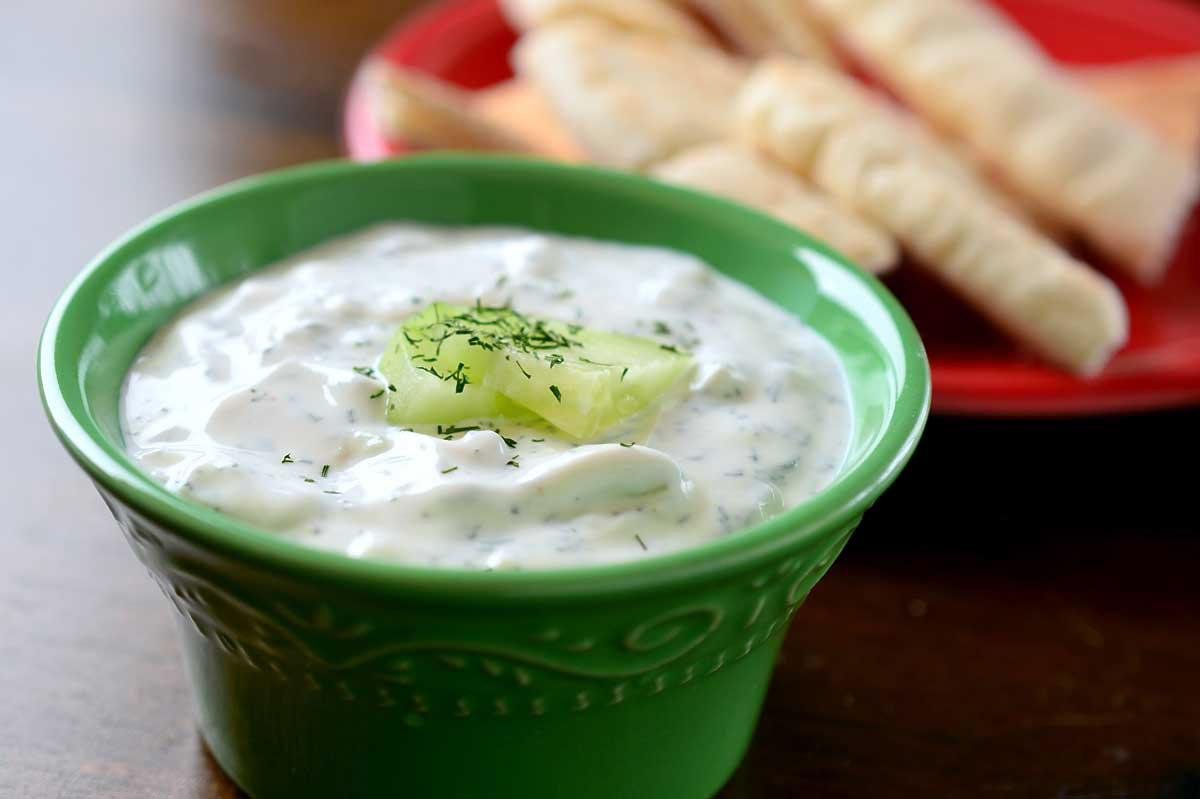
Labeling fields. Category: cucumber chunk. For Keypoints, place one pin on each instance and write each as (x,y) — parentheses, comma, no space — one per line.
(608,377)
(433,381)
(451,363)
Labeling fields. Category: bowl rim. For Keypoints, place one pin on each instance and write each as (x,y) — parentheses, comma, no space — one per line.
(830,509)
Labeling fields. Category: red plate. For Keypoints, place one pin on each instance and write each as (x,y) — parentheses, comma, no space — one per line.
(974,371)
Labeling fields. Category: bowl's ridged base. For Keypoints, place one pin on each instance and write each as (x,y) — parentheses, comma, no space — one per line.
(280,740)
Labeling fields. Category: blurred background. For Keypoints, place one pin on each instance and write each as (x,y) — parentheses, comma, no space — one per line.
(1018,618)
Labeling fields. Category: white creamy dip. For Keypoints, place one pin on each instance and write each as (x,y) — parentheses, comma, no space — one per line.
(244,399)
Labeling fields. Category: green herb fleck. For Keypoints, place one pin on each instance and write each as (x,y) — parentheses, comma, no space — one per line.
(624,372)
(640,541)
(451,469)
(537,440)
(669,348)
(493,329)
(630,444)
(453,430)
(377,394)
(511,442)
(325,470)
(661,329)
(557,394)
(288,458)
(365,371)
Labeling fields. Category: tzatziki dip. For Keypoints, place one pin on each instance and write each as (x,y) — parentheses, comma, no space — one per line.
(628,401)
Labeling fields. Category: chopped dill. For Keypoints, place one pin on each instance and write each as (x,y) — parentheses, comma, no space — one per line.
(377,394)
(492,329)
(557,394)
(459,376)
(365,371)
(453,430)
(640,541)
(325,470)
(288,458)
(451,469)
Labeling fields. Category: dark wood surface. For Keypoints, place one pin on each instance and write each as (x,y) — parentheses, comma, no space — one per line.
(1020,617)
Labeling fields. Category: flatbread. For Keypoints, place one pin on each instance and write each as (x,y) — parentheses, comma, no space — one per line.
(647,16)
(739,173)
(822,93)
(975,75)
(520,109)
(766,27)
(1163,93)
(426,113)
(630,99)
(824,126)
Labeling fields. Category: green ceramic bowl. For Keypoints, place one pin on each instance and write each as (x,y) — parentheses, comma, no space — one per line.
(316,675)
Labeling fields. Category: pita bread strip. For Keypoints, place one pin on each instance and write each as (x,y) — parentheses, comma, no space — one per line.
(630,99)
(738,173)
(812,120)
(520,109)
(1163,93)
(648,16)
(977,76)
(428,114)
(766,27)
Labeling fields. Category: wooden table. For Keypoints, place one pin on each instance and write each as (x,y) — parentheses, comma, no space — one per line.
(1020,617)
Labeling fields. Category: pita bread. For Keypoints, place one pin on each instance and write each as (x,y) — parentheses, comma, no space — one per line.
(426,113)
(739,173)
(647,16)
(978,77)
(630,99)
(1163,93)
(821,124)
(766,27)
(520,109)
(838,99)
